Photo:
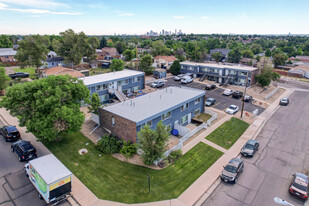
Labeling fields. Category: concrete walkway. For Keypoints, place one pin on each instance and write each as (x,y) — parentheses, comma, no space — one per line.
(200,189)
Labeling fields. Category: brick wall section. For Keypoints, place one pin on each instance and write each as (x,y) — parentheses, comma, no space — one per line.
(286,73)
(253,73)
(123,129)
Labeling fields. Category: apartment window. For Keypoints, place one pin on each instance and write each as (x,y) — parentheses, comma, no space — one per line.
(232,72)
(184,119)
(136,88)
(166,115)
(113,121)
(190,68)
(136,79)
(197,111)
(149,123)
(204,69)
(101,87)
(123,82)
(104,98)
(242,81)
(198,100)
(243,73)
(185,106)
(215,70)
(181,66)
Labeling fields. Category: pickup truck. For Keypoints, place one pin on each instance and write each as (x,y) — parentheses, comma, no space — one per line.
(19,75)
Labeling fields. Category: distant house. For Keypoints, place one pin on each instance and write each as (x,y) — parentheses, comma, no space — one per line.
(164,61)
(223,52)
(7,55)
(142,50)
(61,71)
(54,61)
(110,51)
(302,70)
(51,54)
(249,62)
(300,60)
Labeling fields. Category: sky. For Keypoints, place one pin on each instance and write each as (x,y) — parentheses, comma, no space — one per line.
(102,17)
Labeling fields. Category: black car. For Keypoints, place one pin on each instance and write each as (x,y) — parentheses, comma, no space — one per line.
(299,186)
(24,150)
(249,149)
(210,101)
(232,170)
(210,86)
(19,75)
(10,133)
(284,101)
(237,94)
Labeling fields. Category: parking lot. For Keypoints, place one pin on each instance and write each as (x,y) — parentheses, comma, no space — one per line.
(15,187)
(222,101)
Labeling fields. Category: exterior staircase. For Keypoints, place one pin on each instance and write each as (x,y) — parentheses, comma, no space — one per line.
(203,77)
(121,96)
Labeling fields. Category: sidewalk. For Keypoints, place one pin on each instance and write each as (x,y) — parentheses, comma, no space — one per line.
(198,191)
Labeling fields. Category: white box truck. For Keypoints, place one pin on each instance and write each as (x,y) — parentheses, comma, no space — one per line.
(50,177)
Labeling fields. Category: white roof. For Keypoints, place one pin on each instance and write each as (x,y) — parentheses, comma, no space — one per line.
(149,105)
(50,168)
(7,52)
(109,76)
(239,67)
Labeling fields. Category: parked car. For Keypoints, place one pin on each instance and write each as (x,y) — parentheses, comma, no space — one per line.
(284,101)
(228,92)
(249,149)
(186,79)
(299,186)
(19,75)
(237,94)
(210,86)
(178,77)
(232,170)
(10,133)
(247,98)
(210,101)
(24,150)
(157,84)
(233,109)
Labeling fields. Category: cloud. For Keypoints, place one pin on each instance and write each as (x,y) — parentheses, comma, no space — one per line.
(36,11)
(179,17)
(205,17)
(35,3)
(126,14)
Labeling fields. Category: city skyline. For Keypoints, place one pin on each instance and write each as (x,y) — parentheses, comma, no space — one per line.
(139,17)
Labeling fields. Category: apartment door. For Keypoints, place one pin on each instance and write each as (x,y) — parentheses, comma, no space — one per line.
(189,118)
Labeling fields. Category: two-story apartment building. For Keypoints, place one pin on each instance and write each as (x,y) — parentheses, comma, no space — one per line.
(172,105)
(224,74)
(106,85)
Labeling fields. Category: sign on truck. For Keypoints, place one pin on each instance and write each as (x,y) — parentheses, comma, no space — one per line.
(50,177)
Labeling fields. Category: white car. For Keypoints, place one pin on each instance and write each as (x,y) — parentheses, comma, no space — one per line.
(228,92)
(232,109)
(186,79)
(178,77)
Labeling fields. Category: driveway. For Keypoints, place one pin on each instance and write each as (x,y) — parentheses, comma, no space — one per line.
(15,187)
(222,101)
(284,149)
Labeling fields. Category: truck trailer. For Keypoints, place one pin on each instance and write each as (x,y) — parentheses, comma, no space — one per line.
(50,177)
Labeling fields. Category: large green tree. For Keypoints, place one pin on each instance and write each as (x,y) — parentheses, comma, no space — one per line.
(120,47)
(153,142)
(234,55)
(279,59)
(247,53)
(74,46)
(94,103)
(159,48)
(216,56)
(48,107)
(128,54)
(5,42)
(103,43)
(117,65)
(267,74)
(32,51)
(145,64)
(3,80)
(175,67)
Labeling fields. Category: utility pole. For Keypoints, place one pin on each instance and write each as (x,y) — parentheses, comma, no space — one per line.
(136,51)
(243,102)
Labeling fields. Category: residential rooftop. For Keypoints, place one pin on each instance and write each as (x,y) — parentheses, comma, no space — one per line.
(7,52)
(149,105)
(221,66)
(109,76)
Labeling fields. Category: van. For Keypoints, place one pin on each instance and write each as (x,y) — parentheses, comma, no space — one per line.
(186,79)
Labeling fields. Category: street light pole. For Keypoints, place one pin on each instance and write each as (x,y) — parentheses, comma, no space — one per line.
(243,102)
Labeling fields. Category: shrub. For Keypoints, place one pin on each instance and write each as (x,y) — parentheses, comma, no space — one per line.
(128,149)
(109,144)
(174,155)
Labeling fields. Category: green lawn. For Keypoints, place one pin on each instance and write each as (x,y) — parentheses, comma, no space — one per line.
(228,133)
(98,71)
(111,179)
(29,70)
(203,117)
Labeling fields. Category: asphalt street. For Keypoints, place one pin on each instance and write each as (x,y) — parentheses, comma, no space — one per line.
(284,149)
(294,84)
(15,188)
(222,102)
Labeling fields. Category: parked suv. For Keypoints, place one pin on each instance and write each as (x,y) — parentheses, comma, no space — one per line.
(249,149)
(24,150)
(178,77)
(10,133)
(232,170)
(186,79)
(210,101)
(247,98)
(299,186)
(228,92)
(157,84)
(210,86)
(284,101)
(237,94)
